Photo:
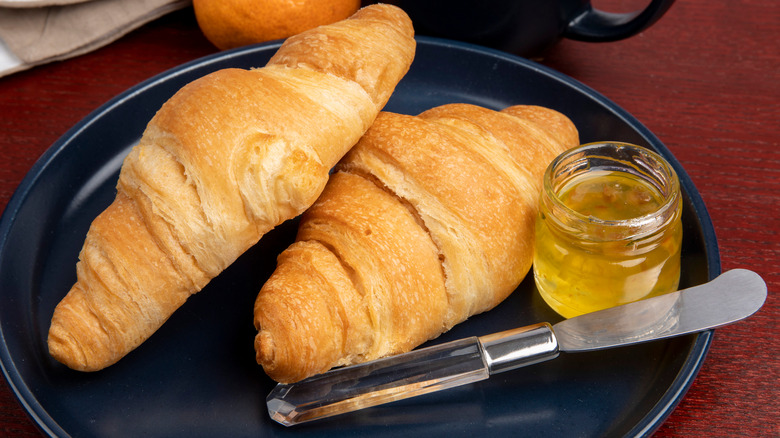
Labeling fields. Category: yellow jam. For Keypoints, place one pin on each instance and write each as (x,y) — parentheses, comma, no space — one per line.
(611,196)
(602,243)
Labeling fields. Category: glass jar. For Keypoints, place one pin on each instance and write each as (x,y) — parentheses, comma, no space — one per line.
(609,229)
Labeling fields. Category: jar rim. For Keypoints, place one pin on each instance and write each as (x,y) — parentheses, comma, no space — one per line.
(640,225)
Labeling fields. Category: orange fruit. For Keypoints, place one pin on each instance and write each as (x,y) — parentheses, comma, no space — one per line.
(234,23)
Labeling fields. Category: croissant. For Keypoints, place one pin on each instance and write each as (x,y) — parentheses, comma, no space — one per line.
(427,220)
(227,158)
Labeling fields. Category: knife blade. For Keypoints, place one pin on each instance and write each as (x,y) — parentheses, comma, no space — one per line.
(731,297)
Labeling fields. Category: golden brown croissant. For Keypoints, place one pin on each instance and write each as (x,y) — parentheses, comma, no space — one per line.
(226,159)
(428,220)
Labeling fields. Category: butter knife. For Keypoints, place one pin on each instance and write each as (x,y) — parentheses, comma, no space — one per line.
(732,296)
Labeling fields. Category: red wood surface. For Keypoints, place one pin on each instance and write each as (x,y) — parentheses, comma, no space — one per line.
(704,80)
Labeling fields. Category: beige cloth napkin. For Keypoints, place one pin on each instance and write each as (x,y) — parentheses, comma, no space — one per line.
(37,3)
(38,35)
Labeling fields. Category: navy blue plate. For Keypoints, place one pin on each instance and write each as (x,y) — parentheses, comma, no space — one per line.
(197,375)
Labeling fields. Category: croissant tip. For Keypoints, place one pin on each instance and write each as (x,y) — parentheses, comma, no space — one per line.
(70,351)
(264,347)
(65,355)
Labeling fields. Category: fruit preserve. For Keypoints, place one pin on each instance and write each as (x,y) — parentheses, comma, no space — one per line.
(609,229)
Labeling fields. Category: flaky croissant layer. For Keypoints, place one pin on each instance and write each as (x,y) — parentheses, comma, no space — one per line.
(226,159)
(429,220)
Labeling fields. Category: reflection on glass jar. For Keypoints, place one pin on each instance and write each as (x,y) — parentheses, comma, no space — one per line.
(609,229)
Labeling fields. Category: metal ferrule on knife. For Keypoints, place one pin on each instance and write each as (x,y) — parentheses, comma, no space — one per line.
(519,347)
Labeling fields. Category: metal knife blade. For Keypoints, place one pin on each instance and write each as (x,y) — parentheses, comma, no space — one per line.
(733,296)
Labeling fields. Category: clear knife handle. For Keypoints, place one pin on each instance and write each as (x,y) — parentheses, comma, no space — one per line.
(394,378)
(407,375)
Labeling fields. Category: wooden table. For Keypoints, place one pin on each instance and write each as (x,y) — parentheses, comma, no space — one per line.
(703,79)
